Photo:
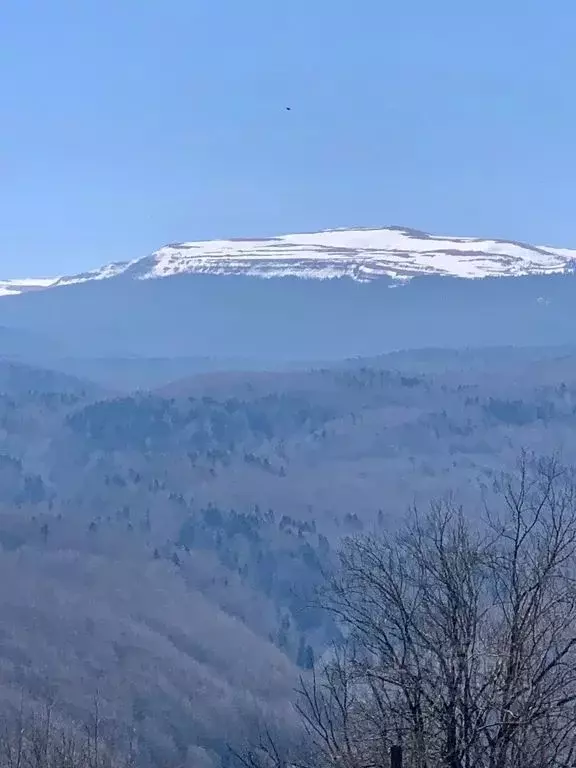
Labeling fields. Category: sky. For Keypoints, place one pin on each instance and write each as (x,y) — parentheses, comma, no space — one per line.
(129,124)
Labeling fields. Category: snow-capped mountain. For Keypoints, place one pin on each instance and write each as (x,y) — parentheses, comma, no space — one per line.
(210,299)
(360,254)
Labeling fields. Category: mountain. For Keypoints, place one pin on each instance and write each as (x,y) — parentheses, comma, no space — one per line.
(361,254)
(325,296)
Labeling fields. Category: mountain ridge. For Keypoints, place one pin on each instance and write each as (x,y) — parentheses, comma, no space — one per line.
(362,254)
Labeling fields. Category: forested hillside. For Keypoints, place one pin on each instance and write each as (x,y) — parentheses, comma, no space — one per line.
(161,550)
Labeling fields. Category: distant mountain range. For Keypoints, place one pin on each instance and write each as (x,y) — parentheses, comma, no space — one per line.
(325,295)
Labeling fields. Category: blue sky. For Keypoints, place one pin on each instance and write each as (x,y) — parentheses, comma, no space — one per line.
(127,124)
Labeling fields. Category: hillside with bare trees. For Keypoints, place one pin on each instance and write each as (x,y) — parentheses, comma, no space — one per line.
(167,552)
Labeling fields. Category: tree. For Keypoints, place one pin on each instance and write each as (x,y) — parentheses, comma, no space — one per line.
(305,656)
(465,637)
(461,637)
(33,739)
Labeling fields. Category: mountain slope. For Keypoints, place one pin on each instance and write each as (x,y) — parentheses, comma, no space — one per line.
(285,319)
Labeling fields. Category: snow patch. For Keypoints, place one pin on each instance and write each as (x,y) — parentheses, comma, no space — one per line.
(17,286)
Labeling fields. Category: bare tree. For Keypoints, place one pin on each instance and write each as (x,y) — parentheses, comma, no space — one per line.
(340,728)
(461,639)
(30,738)
(465,636)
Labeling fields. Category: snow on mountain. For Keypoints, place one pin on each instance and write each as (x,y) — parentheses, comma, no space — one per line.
(14,287)
(361,254)
(103,273)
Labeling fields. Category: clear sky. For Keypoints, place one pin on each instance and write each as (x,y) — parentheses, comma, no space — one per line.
(126,124)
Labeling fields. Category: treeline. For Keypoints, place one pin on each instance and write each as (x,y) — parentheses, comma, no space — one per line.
(151,422)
